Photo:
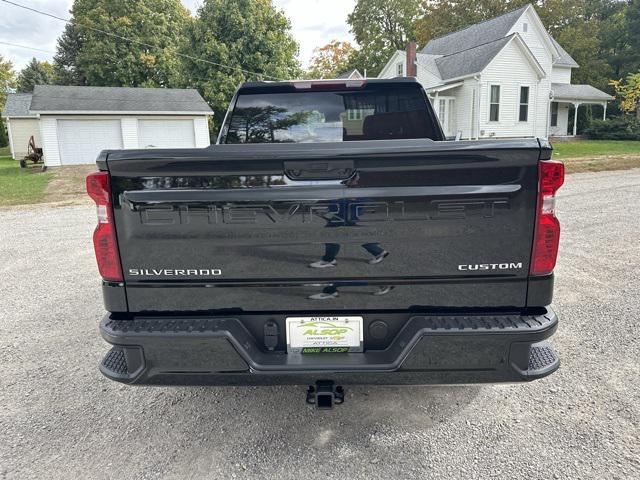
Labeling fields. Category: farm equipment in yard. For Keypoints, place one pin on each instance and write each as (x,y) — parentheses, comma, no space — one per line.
(34,154)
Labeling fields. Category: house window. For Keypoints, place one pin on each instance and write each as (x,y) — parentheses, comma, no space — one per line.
(442,109)
(473,113)
(353,114)
(494,104)
(524,104)
(400,69)
(525,27)
(450,124)
(554,114)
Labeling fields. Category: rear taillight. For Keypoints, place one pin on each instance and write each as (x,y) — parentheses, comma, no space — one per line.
(104,237)
(547,229)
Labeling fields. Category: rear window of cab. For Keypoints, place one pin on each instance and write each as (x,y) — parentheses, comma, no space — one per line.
(374,113)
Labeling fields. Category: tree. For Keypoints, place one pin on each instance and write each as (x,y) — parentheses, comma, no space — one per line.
(35,73)
(442,17)
(149,59)
(381,27)
(633,27)
(232,41)
(4,137)
(331,60)
(65,61)
(7,82)
(259,124)
(7,79)
(628,93)
(582,42)
(614,38)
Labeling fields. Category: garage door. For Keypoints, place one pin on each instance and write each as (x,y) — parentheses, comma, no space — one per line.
(80,141)
(166,134)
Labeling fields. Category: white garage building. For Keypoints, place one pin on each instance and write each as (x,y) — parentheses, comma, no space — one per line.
(76,123)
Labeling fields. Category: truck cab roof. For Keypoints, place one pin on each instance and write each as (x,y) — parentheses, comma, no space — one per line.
(323,84)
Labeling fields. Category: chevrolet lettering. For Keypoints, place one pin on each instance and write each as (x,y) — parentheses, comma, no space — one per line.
(317,211)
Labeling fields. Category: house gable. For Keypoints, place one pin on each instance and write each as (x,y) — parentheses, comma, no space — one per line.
(523,21)
(535,36)
(474,60)
(427,70)
(353,74)
(390,69)
(471,61)
(518,47)
(524,71)
(516,58)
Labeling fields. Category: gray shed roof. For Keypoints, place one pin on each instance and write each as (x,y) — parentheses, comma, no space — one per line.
(17,105)
(578,92)
(474,35)
(54,98)
(472,60)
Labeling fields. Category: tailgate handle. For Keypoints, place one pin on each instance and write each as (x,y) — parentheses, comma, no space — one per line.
(319,170)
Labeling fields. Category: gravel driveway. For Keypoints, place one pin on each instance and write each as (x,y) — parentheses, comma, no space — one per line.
(59,418)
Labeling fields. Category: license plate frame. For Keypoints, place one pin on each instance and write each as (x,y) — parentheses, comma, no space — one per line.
(322,334)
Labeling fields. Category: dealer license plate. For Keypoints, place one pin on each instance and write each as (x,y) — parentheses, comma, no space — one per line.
(324,334)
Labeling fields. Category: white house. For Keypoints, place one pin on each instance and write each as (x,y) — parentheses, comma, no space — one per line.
(73,124)
(504,77)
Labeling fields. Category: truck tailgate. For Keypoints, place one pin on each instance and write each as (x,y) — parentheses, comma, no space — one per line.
(238,226)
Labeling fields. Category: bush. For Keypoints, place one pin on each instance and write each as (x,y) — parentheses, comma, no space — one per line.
(4,139)
(617,128)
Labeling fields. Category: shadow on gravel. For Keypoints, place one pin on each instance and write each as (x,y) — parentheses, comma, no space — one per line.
(366,409)
(258,426)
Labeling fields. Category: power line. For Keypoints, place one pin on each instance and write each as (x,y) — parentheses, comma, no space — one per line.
(113,58)
(131,40)
(188,86)
(24,46)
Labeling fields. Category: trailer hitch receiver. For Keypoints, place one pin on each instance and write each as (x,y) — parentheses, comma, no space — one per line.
(325,394)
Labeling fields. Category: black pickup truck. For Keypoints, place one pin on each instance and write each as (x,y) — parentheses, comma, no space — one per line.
(331,237)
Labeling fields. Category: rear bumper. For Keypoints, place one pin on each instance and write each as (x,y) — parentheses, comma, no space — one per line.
(429,349)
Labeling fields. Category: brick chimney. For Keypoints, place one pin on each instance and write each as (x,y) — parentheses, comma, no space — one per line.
(411,59)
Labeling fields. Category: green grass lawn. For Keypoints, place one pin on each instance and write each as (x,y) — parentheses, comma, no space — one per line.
(20,185)
(594,148)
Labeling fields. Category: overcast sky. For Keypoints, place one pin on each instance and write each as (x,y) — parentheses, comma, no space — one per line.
(315,23)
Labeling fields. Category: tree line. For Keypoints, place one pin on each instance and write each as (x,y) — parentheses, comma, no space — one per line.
(157,43)
(603,36)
